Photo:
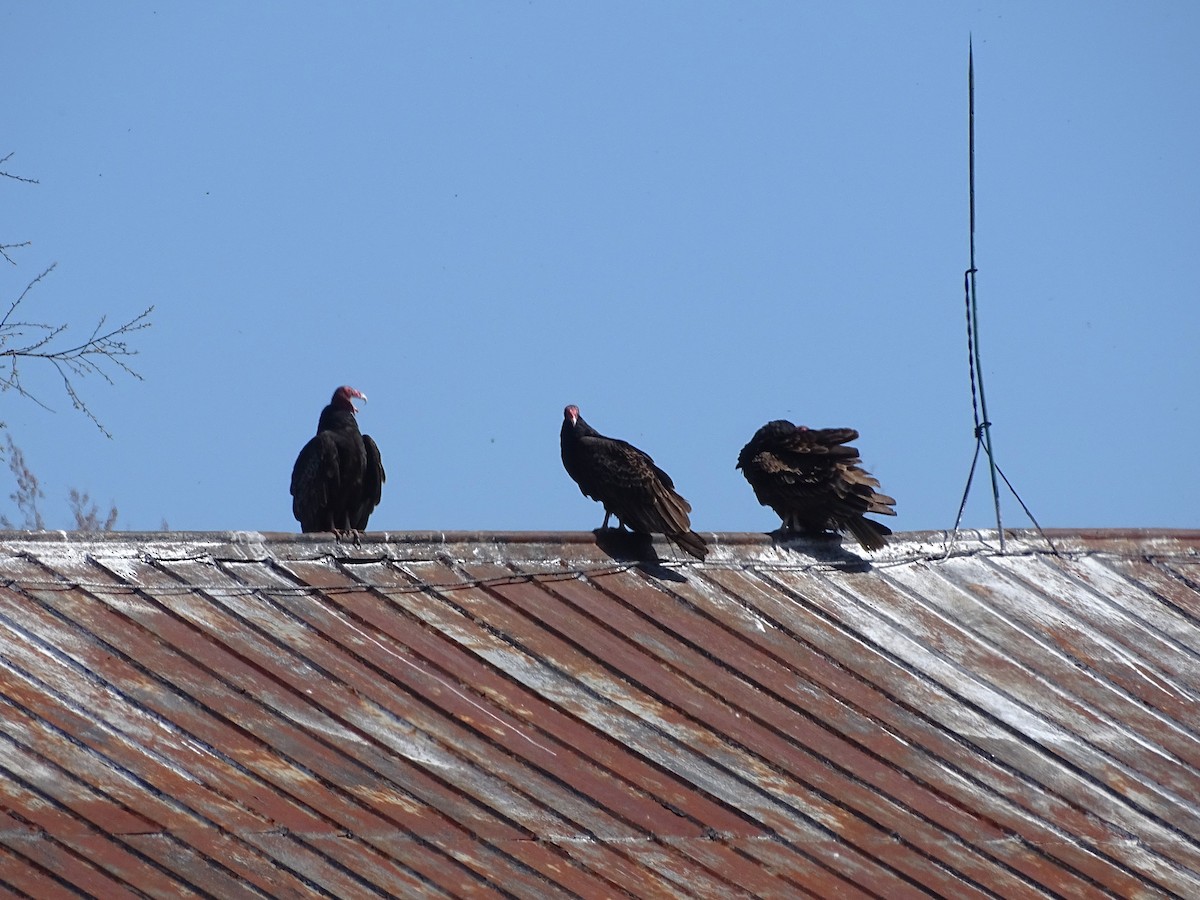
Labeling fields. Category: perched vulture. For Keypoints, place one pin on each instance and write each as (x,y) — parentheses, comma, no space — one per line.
(628,483)
(338,476)
(814,481)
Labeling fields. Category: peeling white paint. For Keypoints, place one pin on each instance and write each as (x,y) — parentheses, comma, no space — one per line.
(321,724)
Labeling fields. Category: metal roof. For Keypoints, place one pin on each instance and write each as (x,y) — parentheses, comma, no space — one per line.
(265,715)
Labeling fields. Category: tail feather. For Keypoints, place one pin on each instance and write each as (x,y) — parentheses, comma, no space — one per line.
(667,514)
(881,503)
(869,533)
(690,542)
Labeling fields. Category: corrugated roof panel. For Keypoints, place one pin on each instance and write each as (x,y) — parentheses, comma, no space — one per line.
(538,759)
(912,723)
(889,722)
(1053,690)
(346,742)
(654,690)
(454,715)
(1006,697)
(703,677)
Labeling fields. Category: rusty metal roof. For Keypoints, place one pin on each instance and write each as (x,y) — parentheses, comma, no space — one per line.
(262,715)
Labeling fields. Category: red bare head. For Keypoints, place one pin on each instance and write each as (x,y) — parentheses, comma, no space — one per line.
(571,413)
(342,398)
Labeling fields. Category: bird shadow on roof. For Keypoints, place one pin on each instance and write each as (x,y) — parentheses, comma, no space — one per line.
(827,549)
(632,547)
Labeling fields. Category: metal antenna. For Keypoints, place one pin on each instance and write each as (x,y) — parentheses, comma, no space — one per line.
(983,429)
(983,426)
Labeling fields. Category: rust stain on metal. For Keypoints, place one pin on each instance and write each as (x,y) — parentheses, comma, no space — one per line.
(473,714)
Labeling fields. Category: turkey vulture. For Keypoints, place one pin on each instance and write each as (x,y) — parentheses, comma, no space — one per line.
(814,482)
(628,483)
(338,476)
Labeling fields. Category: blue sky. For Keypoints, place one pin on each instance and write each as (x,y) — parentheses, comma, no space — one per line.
(687,218)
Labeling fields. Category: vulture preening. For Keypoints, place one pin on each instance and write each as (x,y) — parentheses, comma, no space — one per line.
(628,483)
(338,476)
(814,481)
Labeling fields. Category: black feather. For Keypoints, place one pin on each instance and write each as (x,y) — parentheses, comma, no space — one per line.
(338,477)
(814,482)
(627,482)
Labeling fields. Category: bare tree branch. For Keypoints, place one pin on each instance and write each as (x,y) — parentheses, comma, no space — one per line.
(28,491)
(4,248)
(87,514)
(5,174)
(104,353)
(104,350)
(83,509)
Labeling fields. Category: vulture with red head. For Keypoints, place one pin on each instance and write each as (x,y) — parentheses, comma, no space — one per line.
(338,477)
(814,482)
(628,483)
